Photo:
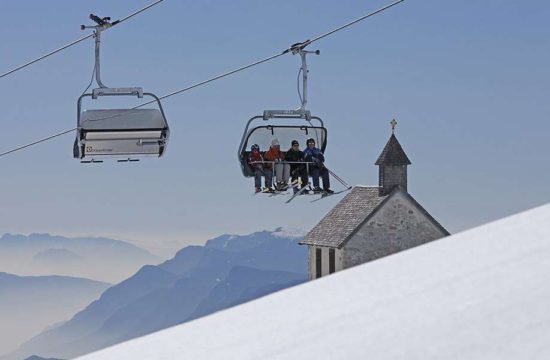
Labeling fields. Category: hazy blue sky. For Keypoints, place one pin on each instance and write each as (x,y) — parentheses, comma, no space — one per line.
(468,82)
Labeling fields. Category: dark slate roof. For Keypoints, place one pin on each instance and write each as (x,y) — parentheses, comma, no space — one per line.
(393,154)
(340,223)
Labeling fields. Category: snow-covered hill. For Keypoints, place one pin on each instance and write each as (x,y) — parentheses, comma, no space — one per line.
(480,294)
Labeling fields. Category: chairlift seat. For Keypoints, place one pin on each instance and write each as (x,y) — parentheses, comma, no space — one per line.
(121,133)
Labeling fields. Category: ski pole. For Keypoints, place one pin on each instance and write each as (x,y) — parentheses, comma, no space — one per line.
(339,179)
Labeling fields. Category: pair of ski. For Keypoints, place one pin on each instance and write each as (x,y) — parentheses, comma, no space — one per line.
(273,192)
(297,193)
(286,191)
(323,194)
(301,191)
(326,194)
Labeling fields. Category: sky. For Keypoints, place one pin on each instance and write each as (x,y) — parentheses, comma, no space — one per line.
(481,294)
(467,82)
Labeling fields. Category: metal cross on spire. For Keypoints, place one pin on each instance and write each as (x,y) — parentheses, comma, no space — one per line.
(393,123)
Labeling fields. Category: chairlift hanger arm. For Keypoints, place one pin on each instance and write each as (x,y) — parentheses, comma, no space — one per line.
(103,24)
(301,112)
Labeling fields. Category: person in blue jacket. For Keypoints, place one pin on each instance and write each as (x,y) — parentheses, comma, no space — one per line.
(315,156)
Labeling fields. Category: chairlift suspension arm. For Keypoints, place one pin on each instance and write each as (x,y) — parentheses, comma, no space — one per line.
(304,79)
(102,24)
(97,37)
(299,49)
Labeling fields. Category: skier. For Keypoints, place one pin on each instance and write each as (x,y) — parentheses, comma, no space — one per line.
(314,155)
(256,162)
(282,170)
(294,154)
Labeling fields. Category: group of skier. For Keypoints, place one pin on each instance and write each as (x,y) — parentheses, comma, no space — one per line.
(294,165)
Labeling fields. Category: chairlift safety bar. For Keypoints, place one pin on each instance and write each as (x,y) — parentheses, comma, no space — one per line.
(299,114)
(103,91)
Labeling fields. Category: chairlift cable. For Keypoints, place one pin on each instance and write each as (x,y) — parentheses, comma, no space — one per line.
(75,42)
(196,85)
(137,12)
(289,50)
(46,55)
(215,78)
(37,142)
(354,22)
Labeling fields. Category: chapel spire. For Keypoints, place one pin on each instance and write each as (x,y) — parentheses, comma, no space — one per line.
(392,164)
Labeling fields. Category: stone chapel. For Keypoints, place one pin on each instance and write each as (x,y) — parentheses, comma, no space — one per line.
(372,221)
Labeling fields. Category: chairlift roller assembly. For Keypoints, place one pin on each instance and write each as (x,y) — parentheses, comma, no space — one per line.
(310,127)
(121,134)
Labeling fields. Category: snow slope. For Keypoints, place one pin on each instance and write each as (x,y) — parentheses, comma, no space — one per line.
(480,294)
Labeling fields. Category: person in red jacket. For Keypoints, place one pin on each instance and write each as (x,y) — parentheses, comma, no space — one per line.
(260,168)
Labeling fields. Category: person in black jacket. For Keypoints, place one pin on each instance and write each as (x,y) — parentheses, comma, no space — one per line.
(295,155)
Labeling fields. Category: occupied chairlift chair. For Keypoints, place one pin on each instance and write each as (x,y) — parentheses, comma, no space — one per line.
(264,134)
(121,134)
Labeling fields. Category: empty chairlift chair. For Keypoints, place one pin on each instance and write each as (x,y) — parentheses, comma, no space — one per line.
(123,134)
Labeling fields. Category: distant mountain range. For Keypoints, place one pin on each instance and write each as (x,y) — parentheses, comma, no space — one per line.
(93,258)
(199,280)
(29,304)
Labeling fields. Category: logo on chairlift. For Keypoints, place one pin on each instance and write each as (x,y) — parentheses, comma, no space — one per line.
(90,149)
